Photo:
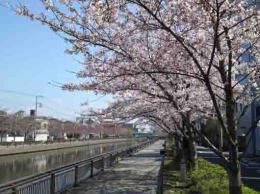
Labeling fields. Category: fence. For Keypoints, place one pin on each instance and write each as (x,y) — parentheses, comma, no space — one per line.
(160,175)
(62,178)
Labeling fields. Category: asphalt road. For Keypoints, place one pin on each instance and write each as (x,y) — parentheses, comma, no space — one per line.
(250,167)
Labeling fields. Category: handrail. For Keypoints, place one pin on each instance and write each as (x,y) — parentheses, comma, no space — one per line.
(160,174)
(55,172)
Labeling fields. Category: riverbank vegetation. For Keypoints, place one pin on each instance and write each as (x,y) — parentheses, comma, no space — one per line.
(207,179)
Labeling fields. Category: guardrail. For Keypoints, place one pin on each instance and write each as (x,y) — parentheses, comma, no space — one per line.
(62,178)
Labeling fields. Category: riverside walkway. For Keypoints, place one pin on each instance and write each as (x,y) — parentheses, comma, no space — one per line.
(132,175)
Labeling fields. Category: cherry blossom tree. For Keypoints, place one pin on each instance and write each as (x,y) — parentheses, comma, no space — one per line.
(175,105)
(127,42)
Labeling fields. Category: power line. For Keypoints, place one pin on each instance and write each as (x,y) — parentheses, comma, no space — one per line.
(97,99)
(14,102)
(53,102)
(54,110)
(17,92)
(36,95)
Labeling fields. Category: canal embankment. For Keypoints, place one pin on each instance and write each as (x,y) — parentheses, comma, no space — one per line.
(18,166)
(33,148)
(59,179)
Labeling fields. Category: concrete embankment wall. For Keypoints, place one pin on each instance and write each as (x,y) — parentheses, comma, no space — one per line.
(23,149)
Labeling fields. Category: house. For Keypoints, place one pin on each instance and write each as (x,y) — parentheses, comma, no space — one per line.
(41,133)
(9,138)
(248,127)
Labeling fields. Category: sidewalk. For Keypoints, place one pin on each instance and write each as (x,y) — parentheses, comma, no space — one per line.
(133,175)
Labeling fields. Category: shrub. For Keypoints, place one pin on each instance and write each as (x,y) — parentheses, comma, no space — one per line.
(209,178)
(212,179)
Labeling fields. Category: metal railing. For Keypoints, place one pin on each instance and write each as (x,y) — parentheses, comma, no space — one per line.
(59,179)
(160,174)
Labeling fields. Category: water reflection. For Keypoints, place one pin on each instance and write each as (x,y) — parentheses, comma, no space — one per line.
(18,166)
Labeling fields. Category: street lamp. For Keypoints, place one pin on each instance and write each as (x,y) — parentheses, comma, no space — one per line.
(37,103)
(254,90)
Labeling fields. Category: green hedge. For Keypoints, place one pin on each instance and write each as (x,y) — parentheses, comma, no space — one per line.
(212,179)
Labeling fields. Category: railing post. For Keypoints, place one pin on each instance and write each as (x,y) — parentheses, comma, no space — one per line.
(14,191)
(91,168)
(103,163)
(110,159)
(76,182)
(160,178)
(52,185)
(123,154)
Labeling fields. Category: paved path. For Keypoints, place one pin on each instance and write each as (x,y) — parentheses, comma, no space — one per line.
(133,175)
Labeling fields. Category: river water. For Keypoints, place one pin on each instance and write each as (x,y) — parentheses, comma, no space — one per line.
(22,165)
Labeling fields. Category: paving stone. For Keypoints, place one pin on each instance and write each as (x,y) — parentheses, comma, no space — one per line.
(132,175)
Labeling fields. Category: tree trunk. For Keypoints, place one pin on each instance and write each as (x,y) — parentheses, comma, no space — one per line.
(193,154)
(183,163)
(183,170)
(177,149)
(193,163)
(220,139)
(235,186)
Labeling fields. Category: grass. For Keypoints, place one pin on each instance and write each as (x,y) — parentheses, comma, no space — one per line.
(208,179)
(212,179)
(172,182)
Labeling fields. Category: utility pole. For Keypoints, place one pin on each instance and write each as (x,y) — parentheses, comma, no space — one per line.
(35,114)
(254,91)
(221,139)
(36,104)
(253,118)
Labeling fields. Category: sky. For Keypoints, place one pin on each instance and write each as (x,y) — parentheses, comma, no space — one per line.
(32,56)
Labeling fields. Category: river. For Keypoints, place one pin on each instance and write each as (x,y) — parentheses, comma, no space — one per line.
(22,165)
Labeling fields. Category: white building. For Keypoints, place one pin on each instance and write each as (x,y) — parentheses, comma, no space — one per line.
(8,138)
(42,133)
